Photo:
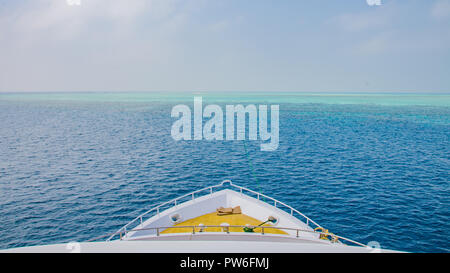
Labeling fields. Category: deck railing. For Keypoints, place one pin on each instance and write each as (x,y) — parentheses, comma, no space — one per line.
(156,210)
(226,229)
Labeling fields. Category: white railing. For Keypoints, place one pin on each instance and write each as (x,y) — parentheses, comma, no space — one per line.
(226,229)
(156,210)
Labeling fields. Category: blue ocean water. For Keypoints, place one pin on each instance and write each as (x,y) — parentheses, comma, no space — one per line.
(367,167)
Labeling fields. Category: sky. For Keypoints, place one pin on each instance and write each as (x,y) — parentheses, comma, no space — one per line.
(225,45)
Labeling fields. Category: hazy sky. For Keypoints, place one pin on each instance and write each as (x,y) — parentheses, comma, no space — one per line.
(220,45)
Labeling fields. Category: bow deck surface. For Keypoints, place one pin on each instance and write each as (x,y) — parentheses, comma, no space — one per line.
(213,219)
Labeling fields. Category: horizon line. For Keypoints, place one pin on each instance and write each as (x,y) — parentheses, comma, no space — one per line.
(232,91)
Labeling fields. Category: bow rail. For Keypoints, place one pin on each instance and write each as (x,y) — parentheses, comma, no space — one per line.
(226,229)
(156,210)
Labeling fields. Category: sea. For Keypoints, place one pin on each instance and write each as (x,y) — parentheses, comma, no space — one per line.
(370,167)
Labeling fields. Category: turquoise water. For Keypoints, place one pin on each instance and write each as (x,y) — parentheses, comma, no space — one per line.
(369,167)
(254,97)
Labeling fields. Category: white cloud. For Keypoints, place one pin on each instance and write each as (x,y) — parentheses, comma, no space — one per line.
(50,45)
(225,24)
(219,26)
(60,19)
(441,9)
(377,44)
(362,21)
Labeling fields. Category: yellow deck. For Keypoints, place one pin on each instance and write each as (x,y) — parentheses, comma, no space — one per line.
(213,219)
